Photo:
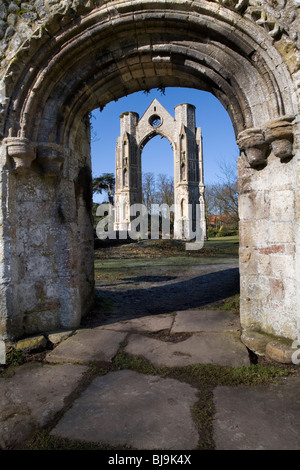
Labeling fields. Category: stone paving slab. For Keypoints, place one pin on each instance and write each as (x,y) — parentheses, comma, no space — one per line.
(224,349)
(205,321)
(258,418)
(32,397)
(88,345)
(137,410)
(147,323)
(125,408)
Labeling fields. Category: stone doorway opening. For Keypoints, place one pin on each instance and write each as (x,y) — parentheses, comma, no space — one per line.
(85,59)
(151,275)
(160,182)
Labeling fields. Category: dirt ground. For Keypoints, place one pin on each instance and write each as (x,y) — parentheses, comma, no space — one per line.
(155,277)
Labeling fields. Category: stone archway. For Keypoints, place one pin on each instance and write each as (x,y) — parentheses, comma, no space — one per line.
(78,56)
(186,142)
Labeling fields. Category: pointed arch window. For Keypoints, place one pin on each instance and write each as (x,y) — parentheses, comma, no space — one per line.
(125,177)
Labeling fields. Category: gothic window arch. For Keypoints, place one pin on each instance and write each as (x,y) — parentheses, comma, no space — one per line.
(125,178)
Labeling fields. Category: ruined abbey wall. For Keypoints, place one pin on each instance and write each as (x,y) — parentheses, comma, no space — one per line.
(62,59)
(186,141)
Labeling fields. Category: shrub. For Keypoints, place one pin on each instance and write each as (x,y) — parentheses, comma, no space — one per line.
(211,232)
(226,232)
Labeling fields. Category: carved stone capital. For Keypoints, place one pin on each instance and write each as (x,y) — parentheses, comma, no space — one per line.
(50,158)
(280,135)
(263,19)
(252,142)
(21,151)
(236,5)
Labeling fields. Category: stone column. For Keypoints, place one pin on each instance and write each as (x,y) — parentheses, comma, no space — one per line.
(201,184)
(47,274)
(128,172)
(268,234)
(189,185)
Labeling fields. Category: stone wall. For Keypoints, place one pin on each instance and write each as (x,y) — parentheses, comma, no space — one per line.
(47,256)
(268,248)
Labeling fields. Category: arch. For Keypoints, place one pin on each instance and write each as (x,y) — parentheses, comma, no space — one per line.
(147,130)
(156,120)
(104,52)
(167,147)
(62,82)
(125,178)
(153,134)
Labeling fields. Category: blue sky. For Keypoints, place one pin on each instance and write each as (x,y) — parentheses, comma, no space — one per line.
(219,142)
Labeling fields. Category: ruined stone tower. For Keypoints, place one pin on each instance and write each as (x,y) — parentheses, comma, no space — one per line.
(186,142)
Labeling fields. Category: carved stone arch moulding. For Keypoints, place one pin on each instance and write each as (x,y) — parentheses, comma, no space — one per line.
(144,141)
(50,87)
(149,134)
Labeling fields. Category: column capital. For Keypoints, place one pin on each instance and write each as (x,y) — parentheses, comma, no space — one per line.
(21,151)
(276,136)
(280,135)
(252,142)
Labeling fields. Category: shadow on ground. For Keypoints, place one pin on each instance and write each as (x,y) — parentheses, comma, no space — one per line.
(120,301)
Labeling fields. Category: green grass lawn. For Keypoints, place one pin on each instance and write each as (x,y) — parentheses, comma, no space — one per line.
(161,257)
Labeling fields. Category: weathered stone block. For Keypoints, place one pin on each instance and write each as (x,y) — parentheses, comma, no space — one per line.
(44,319)
(57,337)
(282,265)
(282,205)
(280,351)
(30,344)
(2,352)
(263,264)
(248,261)
(252,205)
(255,341)
(277,289)
(254,233)
(281,232)
(88,345)
(247,237)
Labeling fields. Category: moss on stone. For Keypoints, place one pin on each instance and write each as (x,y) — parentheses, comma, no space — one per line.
(205,378)
(289,52)
(126,113)
(29,344)
(41,440)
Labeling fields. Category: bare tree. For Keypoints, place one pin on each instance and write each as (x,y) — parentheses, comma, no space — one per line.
(165,190)
(221,198)
(227,194)
(148,190)
(212,206)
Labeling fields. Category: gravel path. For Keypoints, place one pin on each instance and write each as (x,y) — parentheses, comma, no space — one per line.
(163,288)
